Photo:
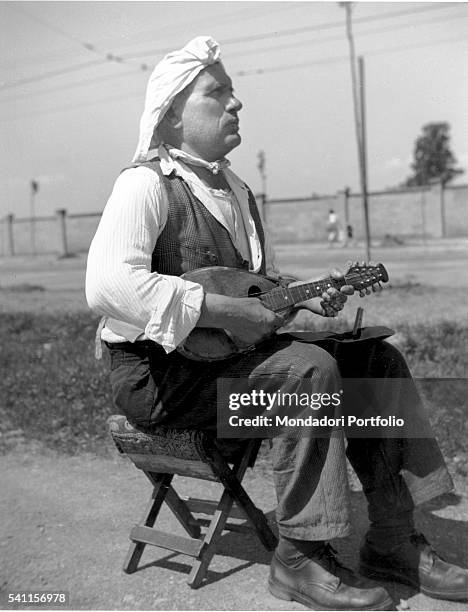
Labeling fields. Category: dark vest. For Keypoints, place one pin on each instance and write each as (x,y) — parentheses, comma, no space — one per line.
(192,238)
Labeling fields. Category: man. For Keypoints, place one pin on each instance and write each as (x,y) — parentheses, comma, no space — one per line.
(184,209)
(332,227)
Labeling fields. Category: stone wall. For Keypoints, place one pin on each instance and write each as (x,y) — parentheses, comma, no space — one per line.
(408,213)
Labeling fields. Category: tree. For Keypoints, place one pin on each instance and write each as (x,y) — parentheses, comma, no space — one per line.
(433,158)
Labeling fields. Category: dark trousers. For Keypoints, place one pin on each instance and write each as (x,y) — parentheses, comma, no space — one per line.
(310,474)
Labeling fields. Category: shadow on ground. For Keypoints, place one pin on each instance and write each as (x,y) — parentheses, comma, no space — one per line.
(65,522)
(448,536)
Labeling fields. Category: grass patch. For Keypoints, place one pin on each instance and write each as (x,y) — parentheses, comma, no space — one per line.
(54,390)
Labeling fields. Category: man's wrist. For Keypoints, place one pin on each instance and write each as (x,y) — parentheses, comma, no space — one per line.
(216,310)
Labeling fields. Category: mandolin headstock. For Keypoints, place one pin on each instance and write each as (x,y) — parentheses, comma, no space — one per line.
(364,275)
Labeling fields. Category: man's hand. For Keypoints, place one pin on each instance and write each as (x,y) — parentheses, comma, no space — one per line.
(255,322)
(332,300)
(245,318)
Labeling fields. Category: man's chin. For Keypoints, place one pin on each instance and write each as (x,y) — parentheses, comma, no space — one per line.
(233,141)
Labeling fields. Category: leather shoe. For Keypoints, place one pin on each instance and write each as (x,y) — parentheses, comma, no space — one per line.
(318,582)
(416,563)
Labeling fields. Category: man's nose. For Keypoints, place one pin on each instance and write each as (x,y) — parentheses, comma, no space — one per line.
(234,104)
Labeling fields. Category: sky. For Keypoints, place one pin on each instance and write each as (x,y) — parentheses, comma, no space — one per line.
(73,77)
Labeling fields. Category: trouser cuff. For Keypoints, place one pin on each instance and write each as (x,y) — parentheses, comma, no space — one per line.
(314,532)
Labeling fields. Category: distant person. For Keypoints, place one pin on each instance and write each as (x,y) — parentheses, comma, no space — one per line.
(333,228)
(180,208)
(349,240)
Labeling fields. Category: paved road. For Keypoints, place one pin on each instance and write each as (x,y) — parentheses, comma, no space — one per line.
(443,264)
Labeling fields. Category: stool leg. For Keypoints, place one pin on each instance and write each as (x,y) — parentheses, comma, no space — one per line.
(161,485)
(183,514)
(221,469)
(231,479)
(179,509)
(200,566)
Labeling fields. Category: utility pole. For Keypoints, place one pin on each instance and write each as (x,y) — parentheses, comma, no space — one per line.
(34,189)
(359,119)
(364,155)
(261,163)
(261,169)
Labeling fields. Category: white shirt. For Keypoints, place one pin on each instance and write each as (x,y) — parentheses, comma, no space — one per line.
(137,303)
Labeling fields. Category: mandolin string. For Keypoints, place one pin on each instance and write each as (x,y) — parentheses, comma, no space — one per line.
(358,280)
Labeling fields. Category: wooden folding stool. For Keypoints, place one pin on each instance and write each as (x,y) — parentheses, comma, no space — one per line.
(167,452)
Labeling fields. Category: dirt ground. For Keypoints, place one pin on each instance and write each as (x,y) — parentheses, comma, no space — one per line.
(65,523)
(65,520)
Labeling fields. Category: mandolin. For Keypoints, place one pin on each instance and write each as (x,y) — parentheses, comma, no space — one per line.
(210,344)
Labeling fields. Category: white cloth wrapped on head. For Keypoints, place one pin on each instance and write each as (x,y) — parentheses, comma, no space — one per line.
(170,76)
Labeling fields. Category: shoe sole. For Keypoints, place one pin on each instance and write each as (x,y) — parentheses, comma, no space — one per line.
(381,573)
(283,592)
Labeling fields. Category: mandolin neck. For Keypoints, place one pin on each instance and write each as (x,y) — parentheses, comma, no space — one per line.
(281,298)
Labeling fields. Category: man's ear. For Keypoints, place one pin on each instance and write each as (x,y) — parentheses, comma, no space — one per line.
(173,118)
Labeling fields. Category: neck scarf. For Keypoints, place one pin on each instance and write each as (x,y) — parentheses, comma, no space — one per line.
(215,167)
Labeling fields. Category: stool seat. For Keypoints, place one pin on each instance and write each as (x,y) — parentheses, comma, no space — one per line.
(162,453)
(180,443)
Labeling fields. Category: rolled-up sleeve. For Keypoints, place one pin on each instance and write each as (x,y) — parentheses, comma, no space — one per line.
(119,281)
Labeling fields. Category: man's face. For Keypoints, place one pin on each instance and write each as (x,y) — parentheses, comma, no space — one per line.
(210,125)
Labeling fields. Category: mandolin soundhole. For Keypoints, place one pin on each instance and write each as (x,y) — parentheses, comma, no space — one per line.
(253,291)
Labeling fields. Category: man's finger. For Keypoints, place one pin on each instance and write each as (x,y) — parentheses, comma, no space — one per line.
(337,296)
(347,289)
(328,311)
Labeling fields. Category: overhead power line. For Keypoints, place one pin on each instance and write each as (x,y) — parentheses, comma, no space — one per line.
(243,15)
(143,36)
(303,29)
(51,73)
(90,47)
(65,86)
(339,37)
(72,107)
(378,30)
(244,73)
(106,57)
(342,58)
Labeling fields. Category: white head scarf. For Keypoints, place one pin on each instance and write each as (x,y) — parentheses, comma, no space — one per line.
(170,76)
